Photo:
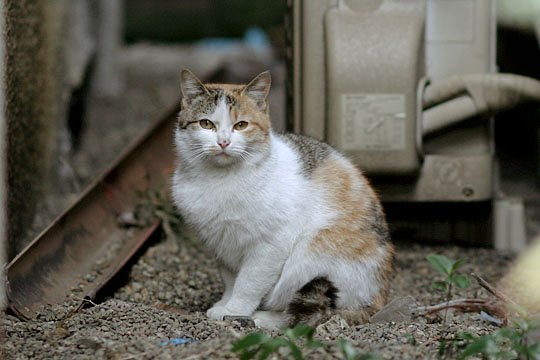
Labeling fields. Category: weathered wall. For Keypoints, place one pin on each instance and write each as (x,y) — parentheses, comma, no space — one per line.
(51,46)
(30,112)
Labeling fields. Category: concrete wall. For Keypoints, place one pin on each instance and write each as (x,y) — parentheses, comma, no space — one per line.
(30,111)
(51,47)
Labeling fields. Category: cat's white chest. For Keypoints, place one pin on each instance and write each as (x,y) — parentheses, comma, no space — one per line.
(236,211)
(217,202)
(232,214)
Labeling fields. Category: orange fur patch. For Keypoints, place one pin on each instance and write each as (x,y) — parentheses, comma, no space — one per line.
(350,236)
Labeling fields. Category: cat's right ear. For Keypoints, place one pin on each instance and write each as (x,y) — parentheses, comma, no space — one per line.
(259,88)
(191,86)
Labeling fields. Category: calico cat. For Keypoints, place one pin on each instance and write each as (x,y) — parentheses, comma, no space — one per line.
(296,228)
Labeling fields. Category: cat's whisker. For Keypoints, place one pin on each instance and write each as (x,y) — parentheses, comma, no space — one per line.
(197,156)
(245,155)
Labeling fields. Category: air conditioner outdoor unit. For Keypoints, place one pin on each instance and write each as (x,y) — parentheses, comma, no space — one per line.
(394,85)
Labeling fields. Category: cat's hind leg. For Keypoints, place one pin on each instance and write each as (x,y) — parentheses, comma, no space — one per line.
(270,320)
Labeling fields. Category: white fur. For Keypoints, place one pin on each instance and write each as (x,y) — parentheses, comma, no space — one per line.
(259,215)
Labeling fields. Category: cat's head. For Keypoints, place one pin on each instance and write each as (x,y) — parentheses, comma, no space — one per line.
(222,124)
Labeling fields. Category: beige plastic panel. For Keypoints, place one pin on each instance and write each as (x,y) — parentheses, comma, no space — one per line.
(374,62)
(443,178)
(312,95)
(460,37)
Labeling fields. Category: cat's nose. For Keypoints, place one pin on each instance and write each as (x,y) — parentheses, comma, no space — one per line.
(224,143)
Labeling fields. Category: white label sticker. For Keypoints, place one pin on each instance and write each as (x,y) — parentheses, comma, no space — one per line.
(373,121)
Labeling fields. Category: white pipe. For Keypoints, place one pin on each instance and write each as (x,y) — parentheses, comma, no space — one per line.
(448,113)
(458,98)
(487,90)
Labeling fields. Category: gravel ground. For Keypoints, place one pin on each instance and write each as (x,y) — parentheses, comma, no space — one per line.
(174,282)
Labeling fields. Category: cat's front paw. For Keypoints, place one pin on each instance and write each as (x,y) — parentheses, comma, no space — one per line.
(217,312)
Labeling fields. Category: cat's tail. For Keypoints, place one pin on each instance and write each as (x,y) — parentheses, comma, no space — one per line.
(315,303)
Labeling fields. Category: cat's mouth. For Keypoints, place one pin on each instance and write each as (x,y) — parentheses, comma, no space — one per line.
(224,159)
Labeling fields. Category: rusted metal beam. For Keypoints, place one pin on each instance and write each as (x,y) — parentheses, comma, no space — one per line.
(85,246)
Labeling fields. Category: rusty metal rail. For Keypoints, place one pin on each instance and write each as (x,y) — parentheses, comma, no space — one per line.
(86,238)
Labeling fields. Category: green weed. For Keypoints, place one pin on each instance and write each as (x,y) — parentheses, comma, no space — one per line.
(451,279)
(290,346)
(448,268)
(511,342)
(155,204)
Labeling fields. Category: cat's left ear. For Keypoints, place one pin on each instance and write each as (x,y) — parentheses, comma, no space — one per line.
(259,88)
(191,86)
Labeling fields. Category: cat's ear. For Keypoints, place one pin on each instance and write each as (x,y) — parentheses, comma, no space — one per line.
(191,86)
(259,88)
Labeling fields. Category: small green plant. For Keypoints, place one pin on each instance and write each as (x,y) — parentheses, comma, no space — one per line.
(451,279)
(154,203)
(411,340)
(350,353)
(291,345)
(510,342)
(448,268)
(262,345)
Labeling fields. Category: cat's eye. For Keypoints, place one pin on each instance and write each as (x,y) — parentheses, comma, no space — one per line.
(206,124)
(241,125)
